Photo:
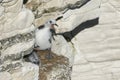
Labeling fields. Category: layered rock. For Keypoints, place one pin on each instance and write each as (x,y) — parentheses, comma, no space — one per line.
(94,51)
(98,47)
(16,40)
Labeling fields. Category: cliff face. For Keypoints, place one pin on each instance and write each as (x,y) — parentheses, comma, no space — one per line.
(16,40)
(93,51)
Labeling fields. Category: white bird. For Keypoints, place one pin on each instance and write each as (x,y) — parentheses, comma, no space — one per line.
(43,40)
(44,35)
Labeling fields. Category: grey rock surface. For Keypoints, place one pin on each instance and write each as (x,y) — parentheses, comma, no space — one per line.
(94,52)
(16,40)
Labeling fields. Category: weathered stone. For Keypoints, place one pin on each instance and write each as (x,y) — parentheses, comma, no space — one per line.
(93,53)
(1,10)
(98,47)
(5,76)
(95,50)
(5,43)
(16,40)
(28,71)
(61,47)
(10,65)
(16,24)
(47,9)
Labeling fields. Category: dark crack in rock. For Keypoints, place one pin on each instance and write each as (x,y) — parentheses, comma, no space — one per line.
(63,9)
(25,1)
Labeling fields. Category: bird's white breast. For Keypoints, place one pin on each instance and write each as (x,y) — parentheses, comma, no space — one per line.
(42,37)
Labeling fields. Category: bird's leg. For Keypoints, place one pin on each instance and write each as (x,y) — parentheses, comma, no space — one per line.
(53,33)
(49,55)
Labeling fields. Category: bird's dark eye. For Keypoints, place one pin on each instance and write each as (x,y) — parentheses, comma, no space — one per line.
(50,21)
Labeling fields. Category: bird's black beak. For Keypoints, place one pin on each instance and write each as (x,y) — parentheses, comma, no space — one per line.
(56,25)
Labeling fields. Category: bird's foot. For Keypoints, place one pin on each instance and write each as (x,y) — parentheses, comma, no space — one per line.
(36,61)
(49,56)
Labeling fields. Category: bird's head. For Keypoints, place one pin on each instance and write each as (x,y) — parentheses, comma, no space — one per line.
(51,23)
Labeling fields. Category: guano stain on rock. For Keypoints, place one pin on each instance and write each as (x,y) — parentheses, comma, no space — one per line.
(56,68)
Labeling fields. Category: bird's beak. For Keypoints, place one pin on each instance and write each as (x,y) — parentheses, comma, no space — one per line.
(52,27)
(56,25)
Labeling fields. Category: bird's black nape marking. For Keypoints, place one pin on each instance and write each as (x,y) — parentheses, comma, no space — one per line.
(87,24)
(41,27)
(58,18)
